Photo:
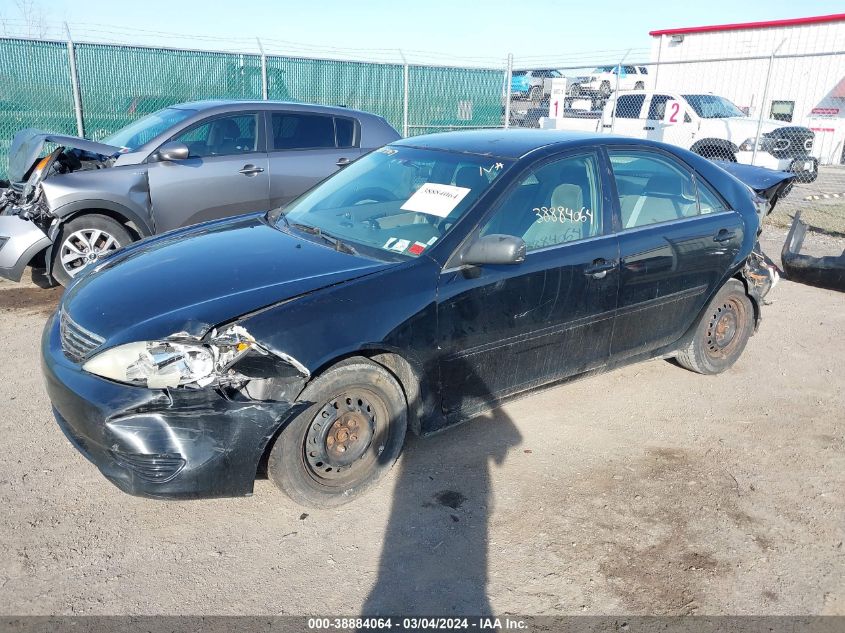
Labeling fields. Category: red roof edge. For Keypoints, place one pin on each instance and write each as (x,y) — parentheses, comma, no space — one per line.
(816,19)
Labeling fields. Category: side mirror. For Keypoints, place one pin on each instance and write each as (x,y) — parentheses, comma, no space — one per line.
(495,249)
(173,150)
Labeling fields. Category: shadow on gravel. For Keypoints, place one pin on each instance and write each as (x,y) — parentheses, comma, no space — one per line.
(29,299)
(434,556)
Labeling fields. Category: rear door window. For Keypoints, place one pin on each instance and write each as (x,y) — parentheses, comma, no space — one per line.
(652,188)
(294,130)
(657,107)
(629,106)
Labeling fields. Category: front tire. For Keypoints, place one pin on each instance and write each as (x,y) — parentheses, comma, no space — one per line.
(534,94)
(346,441)
(84,240)
(722,333)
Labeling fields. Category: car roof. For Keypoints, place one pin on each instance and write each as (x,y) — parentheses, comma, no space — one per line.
(211,105)
(502,143)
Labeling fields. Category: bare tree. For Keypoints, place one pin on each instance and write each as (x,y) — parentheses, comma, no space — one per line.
(28,20)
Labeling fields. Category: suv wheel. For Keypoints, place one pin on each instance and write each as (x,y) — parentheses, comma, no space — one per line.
(534,94)
(84,240)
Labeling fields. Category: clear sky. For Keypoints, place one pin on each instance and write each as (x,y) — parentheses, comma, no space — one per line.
(444,31)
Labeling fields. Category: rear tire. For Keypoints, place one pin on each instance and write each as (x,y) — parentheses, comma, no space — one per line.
(534,94)
(346,441)
(84,240)
(722,333)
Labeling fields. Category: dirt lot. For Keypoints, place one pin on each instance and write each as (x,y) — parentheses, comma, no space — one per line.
(645,490)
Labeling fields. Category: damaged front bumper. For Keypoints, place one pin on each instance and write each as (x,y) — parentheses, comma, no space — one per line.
(162,443)
(823,272)
(20,241)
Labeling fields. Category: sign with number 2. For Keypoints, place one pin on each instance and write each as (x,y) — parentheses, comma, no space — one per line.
(672,114)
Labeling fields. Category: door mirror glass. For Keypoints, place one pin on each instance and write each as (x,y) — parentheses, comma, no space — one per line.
(495,249)
(173,150)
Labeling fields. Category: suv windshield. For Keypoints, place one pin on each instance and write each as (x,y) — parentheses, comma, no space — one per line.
(713,107)
(147,128)
(396,200)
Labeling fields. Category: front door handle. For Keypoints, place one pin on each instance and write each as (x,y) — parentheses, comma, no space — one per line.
(250,170)
(599,268)
(343,162)
(724,235)
(648,127)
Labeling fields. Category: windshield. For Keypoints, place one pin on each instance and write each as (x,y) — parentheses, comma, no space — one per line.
(396,200)
(713,107)
(147,128)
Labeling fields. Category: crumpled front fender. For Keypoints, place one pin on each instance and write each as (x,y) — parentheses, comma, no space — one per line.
(20,241)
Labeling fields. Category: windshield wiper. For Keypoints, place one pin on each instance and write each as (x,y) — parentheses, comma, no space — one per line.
(338,244)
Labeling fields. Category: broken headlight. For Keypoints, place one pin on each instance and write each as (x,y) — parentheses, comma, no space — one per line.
(170,363)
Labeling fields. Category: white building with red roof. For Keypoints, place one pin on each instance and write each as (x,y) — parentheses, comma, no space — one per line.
(806,76)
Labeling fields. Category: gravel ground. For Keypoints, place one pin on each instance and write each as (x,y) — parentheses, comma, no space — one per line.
(648,490)
(822,202)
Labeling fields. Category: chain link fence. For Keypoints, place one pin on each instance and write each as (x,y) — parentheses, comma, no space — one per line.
(784,109)
(118,84)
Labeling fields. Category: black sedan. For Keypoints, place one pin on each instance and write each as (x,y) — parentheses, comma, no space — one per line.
(424,283)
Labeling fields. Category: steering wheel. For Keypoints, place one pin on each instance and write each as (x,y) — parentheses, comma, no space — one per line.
(370,195)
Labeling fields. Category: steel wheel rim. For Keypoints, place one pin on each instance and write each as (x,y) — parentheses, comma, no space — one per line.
(84,247)
(345,437)
(723,334)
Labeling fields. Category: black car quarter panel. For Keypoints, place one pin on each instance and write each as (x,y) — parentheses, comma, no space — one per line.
(674,251)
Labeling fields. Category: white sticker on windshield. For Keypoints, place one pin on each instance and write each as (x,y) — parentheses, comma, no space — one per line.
(400,245)
(435,199)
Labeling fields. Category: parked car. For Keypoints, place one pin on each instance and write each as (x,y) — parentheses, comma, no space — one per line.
(606,79)
(532,84)
(181,165)
(707,124)
(427,282)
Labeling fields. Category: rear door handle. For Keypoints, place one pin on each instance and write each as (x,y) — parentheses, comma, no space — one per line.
(343,162)
(599,268)
(250,170)
(648,127)
(724,235)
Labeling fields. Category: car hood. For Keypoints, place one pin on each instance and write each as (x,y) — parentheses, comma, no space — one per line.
(28,143)
(747,127)
(190,280)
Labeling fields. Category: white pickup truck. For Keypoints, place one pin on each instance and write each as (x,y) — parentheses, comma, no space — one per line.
(706,124)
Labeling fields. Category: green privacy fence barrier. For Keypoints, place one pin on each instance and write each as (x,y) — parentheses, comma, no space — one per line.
(118,84)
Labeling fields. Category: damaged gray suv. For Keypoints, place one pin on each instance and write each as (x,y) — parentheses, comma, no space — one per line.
(70,200)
